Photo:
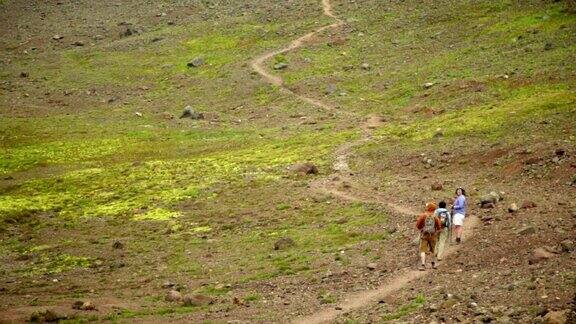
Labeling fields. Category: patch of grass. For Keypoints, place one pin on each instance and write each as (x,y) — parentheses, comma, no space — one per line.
(407,309)
(525,107)
(52,264)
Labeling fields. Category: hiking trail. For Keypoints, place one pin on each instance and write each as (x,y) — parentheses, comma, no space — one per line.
(343,174)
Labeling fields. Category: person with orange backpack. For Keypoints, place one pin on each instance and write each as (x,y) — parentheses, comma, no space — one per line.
(429,225)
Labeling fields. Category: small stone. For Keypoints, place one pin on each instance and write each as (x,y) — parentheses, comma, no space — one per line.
(166,115)
(560,152)
(330,89)
(528,204)
(118,245)
(284,243)
(548,46)
(139,114)
(372,266)
(173,296)
(188,112)
(196,62)
(437,186)
(78,43)
(280,66)
(429,85)
(168,284)
(539,255)
(513,208)
(197,300)
(567,245)
(365,66)
(87,306)
(306,168)
(57,37)
(24,74)
(156,39)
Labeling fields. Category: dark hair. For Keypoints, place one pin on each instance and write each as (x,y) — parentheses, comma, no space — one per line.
(463,191)
(442,204)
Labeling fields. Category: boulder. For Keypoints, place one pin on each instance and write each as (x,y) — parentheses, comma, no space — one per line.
(197,300)
(492,198)
(280,66)
(539,255)
(173,296)
(284,243)
(189,112)
(513,208)
(304,168)
(196,62)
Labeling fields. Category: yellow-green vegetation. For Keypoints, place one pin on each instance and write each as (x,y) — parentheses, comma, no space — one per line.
(404,310)
(53,264)
(524,109)
(122,189)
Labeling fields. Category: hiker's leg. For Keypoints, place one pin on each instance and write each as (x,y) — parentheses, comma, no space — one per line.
(422,258)
(441,244)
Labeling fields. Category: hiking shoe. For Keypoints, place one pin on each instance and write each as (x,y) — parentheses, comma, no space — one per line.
(422,267)
(434,265)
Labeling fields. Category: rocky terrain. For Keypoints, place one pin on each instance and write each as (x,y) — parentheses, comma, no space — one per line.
(264,161)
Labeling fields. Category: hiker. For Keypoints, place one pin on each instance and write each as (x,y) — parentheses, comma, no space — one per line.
(429,225)
(446,222)
(459,212)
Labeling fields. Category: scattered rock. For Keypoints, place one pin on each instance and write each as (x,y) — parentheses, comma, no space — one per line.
(342,220)
(80,305)
(330,89)
(280,66)
(437,186)
(197,300)
(304,168)
(139,114)
(528,229)
(196,62)
(556,317)
(365,66)
(57,37)
(490,200)
(429,85)
(528,204)
(567,245)
(118,245)
(188,112)
(560,152)
(47,316)
(128,31)
(78,43)
(173,296)
(548,46)
(539,255)
(167,115)
(284,243)
(168,284)
(513,208)
(24,74)
(372,266)
(156,39)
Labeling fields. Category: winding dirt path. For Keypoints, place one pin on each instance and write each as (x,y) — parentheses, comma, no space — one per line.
(342,172)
